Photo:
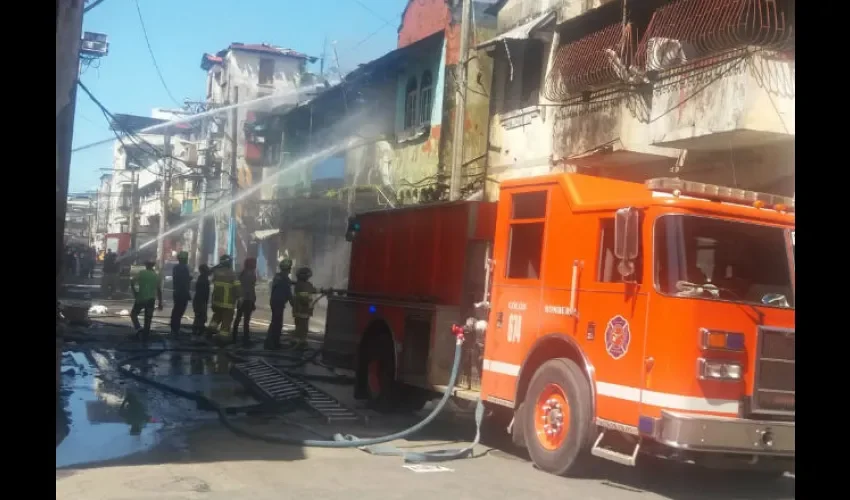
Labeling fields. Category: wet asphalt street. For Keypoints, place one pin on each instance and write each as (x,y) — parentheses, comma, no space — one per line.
(120,439)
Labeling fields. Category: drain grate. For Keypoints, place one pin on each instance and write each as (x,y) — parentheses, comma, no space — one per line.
(270,384)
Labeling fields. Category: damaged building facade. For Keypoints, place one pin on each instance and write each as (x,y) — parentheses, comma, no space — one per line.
(699,89)
(231,156)
(382,137)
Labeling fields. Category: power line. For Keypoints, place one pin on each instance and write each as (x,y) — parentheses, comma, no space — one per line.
(93,5)
(378,16)
(153,58)
(107,141)
(369,36)
(134,138)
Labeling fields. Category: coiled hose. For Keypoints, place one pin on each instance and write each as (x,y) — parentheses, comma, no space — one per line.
(339,440)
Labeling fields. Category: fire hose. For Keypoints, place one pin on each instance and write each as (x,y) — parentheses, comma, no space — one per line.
(368,445)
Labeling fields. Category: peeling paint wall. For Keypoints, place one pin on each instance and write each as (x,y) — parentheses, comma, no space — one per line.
(753,99)
(414,163)
(520,139)
(241,70)
(516,12)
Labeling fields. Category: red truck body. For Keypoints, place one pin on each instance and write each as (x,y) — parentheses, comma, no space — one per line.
(118,242)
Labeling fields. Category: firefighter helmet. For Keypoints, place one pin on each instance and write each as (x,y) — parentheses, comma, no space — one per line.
(183,257)
(285,264)
(304,274)
(225,260)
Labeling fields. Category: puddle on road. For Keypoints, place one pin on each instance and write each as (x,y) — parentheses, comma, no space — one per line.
(207,374)
(101,422)
(104,416)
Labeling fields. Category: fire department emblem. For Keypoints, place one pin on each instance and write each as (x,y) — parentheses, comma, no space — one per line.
(617,337)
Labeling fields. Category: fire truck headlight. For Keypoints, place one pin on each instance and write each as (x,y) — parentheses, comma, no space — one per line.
(719,370)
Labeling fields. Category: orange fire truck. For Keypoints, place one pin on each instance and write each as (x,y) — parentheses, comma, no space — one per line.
(606,318)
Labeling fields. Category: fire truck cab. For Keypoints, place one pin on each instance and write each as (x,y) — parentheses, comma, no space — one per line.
(607,318)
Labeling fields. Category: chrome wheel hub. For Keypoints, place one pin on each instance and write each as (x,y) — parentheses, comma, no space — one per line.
(553,417)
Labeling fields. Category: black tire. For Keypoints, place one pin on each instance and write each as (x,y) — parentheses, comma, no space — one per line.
(572,455)
(412,399)
(377,384)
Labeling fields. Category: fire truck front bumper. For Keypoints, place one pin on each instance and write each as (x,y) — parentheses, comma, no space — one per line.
(703,433)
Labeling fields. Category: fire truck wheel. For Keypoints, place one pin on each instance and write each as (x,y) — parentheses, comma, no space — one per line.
(379,366)
(558,423)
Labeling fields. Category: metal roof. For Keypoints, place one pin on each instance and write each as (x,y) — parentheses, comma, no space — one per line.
(521,32)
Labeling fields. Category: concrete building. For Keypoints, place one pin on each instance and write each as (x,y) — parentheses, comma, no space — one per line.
(103,206)
(139,164)
(381,138)
(79,219)
(701,89)
(233,159)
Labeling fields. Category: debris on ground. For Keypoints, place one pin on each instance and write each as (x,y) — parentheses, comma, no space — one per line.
(97,309)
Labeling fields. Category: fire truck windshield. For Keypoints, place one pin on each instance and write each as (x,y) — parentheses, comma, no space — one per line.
(718,259)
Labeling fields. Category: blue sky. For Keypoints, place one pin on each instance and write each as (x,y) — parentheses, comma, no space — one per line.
(180,31)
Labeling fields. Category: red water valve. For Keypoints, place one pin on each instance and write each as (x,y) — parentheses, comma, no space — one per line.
(457,331)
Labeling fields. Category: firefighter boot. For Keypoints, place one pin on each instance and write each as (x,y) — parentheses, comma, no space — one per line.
(300,333)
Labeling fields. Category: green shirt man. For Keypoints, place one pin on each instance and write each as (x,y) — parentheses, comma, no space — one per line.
(146,290)
(147,286)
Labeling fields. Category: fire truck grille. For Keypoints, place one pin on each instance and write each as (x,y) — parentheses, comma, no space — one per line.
(775,389)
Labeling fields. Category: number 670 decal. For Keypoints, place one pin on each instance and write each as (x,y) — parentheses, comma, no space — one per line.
(514,328)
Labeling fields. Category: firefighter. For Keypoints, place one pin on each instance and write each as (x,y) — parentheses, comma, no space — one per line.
(201,300)
(281,294)
(225,292)
(247,303)
(181,281)
(302,307)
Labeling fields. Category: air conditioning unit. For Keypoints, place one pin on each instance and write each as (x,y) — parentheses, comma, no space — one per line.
(94,45)
(190,153)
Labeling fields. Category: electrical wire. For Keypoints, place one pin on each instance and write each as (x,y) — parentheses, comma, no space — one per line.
(153,58)
(93,5)
(699,90)
(378,16)
(131,136)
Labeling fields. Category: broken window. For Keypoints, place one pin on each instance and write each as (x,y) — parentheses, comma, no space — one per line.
(266,72)
(525,245)
(410,103)
(426,98)
(523,72)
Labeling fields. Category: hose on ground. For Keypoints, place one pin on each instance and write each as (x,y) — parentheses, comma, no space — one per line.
(339,440)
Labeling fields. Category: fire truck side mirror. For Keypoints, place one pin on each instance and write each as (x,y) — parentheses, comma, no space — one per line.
(626,234)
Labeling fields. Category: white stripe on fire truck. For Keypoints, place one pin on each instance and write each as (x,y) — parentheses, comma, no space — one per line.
(500,367)
(617,391)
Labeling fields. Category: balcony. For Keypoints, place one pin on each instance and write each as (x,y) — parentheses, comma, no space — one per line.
(601,119)
(748,102)
(723,74)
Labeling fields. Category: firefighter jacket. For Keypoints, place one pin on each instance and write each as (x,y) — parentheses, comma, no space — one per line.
(303,306)
(226,288)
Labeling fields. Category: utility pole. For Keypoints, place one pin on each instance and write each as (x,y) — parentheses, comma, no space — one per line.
(200,255)
(164,199)
(322,60)
(460,104)
(134,206)
(69,28)
(234,174)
